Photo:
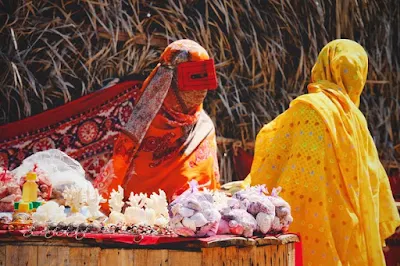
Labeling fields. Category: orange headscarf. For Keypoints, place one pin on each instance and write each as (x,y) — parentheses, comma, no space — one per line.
(321,152)
(169,139)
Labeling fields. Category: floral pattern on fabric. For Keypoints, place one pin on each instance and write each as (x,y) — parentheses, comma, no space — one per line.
(105,178)
(87,132)
(87,137)
(201,154)
(43,144)
(162,148)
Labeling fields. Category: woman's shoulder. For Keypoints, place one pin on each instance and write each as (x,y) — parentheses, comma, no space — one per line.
(314,100)
(314,103)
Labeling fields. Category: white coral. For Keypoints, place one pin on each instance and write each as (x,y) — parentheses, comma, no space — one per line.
(75,197)
(75,218)
(135,215)
(137,200)
(116,218)
(150,216)
(151,210)
(94,201)
(49,212)
(158,203)
(116,201)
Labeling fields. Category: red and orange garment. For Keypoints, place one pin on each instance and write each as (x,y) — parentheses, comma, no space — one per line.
(169,139)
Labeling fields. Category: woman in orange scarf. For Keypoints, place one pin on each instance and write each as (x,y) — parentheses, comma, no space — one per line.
(321,153)
(169,139)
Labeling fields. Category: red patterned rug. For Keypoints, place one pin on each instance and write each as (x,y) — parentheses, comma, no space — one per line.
(85,128)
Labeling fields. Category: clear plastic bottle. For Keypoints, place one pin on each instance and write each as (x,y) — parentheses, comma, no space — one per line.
(30,188)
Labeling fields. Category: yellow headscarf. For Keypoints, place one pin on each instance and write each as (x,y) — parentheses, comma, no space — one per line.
(322,154)
(344,63)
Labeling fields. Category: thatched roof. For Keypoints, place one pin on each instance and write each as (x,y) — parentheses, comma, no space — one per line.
(54,51)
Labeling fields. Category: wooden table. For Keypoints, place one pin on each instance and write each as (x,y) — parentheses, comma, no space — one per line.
(37,251)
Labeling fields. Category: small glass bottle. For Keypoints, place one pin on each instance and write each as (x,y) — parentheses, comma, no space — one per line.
(22,213)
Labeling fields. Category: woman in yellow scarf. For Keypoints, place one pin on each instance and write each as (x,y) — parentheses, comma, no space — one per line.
(321,153)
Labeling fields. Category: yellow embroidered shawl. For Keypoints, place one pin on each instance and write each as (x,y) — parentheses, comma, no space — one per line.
(322,154)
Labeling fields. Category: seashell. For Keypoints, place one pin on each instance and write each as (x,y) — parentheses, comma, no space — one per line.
(237,230)
(189,223)
(178,225)
(212,215)
(233,223)
(223,227)
(194,205)
(264,222)
(276,224)
(175,219)
(248,232)
(199,219)
(184,231)
(186,212)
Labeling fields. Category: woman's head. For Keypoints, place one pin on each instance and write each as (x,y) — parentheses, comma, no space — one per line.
(344,63)
(179,52)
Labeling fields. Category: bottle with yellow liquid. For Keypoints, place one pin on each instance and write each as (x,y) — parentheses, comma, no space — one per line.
(30,188)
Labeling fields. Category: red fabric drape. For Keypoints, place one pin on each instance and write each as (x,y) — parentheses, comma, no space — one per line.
(242,161)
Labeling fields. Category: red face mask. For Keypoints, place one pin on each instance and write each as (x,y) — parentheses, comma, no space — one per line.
(199,75)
